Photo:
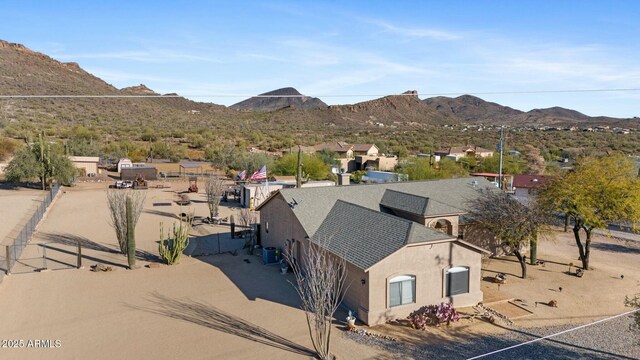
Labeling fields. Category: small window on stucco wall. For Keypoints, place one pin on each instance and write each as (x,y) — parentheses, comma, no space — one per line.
(457,280)
(402,290)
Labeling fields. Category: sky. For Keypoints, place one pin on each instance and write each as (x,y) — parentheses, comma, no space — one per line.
(223,52)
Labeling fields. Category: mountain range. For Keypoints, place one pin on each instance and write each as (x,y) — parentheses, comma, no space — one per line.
(26,72)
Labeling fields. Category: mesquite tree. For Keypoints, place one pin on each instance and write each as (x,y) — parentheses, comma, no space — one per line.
(598,192)
(117,200)
(320,278)
(214,189)
(511,222)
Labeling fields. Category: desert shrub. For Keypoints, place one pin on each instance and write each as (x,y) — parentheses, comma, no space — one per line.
(7,148)
(434,315)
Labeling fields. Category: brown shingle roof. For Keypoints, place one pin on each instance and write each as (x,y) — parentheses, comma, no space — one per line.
(530,181)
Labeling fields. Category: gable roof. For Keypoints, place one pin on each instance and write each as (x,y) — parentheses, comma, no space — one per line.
(363,147)
(530,181)
(337,235)
(416,204)
(339,147)
(312,205)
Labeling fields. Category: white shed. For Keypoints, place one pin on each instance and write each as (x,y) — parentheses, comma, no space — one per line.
(124,163)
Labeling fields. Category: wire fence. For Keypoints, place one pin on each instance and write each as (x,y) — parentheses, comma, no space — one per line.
(11,253)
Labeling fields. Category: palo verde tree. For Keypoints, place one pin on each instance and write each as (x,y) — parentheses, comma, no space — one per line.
(41,160)
(513,223)
(320,279)
(597,192)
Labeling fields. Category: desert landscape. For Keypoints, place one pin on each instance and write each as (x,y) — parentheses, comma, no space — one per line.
(224,301)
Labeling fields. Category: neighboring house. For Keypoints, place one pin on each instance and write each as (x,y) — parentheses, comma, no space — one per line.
(526,186)
(383,163)
(365,149)
(86,165)
(352,157)
(399,241)
(461,151)
(342,149)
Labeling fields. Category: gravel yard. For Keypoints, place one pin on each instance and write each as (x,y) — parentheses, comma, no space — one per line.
(611,339)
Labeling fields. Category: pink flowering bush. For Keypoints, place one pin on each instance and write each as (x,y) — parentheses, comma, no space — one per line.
(433,315)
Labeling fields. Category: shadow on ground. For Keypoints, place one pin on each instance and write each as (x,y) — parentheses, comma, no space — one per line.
(254,279)
(616,248)
(72,241)
(209,316)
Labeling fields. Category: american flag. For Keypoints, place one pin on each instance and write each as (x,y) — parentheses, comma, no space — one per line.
(260,174)
(242,175)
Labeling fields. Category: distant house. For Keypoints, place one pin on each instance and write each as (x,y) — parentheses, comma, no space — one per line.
(462,151)
(353,157)
(86,165)
(526,186)
(342,149)
(400,241)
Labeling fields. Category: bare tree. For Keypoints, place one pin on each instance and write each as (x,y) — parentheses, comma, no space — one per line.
(320,278)
(247,219)
(117,200)
(214,188)
(511,222)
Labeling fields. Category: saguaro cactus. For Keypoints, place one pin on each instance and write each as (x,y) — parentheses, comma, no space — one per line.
(131,234)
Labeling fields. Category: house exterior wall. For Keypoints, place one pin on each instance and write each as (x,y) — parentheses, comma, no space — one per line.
(429,264)
(278,223)
(382,163)
(356,296)
(87,167)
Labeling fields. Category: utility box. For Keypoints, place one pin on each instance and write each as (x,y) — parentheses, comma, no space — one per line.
(270,255)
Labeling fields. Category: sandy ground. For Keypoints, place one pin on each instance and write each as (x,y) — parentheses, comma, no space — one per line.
(16,206)
(232,306)
(217,306)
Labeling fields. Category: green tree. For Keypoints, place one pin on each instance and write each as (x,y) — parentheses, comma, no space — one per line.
(313,166)
(511,222)
(511,164)
(41,160)
(599,191)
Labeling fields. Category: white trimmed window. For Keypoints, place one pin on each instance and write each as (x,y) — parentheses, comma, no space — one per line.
(457,280)
(402,290)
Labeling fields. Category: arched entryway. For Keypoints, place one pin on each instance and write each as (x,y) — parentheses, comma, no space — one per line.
(442,225)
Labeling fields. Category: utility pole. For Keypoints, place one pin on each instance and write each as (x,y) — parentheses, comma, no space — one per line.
(500,147)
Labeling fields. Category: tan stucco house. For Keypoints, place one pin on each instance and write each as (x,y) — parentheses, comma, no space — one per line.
(400,241)
(458,152)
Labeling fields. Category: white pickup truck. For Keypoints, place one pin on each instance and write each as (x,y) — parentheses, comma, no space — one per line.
(124,184)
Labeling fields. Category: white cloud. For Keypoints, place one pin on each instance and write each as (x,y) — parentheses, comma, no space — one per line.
(414,32)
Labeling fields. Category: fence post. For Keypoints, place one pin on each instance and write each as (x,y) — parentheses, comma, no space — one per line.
(79,264)
(8,253)
(44,256)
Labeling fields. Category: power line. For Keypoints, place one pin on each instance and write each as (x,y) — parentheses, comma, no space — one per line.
(47,96)
(553,335)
